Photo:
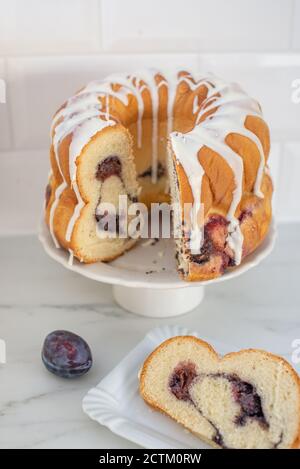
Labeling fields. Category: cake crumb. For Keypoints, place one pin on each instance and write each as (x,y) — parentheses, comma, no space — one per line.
(147,243)
(150,242)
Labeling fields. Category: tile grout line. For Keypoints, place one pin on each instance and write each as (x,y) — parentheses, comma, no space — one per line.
(292,24)
(9,106)
(100,23)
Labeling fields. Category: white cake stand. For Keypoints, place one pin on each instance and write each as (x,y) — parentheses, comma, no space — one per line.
(145,280)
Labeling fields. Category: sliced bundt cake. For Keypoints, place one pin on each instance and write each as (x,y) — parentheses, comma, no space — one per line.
(138,135)
(247,399)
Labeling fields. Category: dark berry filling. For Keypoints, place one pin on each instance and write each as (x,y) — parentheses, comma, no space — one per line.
(111,166)
(179,384)
(111,223)
(243,393)
(246,396)
(230,262)
(215,241)
(47,194)
(205,253)
(216,221)
(160,172)
(181,378)
(215,235)
(245,214)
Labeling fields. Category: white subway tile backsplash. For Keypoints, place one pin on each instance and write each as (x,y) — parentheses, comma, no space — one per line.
(23,179)
(56,26)
(5,131)
(289,188)
(296,25)
(196,25)
(269,78)
(40,85)
(47,49)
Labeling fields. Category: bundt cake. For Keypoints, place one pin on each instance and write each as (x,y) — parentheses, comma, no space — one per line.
(248,399)
(151,134)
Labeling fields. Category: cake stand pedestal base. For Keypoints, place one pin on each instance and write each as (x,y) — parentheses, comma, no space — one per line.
(158,303)
(161,295)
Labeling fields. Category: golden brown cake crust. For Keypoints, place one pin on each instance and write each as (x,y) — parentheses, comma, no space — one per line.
(218,181)
(256,217)
(147,363)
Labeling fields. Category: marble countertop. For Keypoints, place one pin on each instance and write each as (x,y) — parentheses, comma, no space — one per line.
(38,410)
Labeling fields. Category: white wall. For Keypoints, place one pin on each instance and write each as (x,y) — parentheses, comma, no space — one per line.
(31,27)
(49,48)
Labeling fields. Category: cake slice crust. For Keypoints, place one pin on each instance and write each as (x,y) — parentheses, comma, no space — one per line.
(248,399)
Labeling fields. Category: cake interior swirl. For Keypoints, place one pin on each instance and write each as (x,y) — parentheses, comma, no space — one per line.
(247,399)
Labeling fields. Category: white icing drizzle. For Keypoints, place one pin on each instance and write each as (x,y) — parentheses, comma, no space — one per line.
(131,85)
(80,116)
(186,151)
(232,107)
(59,190)
(171,83)
(71,257)
(107,107)
(83,108)
(86,113)
(83,133)
(196,106)
(148,77)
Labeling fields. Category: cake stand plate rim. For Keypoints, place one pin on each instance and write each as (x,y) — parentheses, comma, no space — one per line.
(106,273)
